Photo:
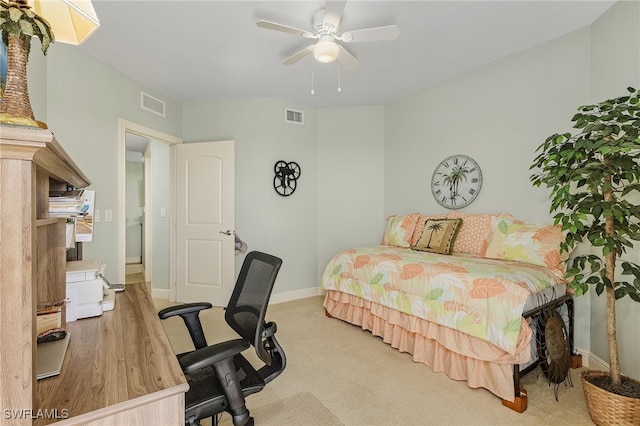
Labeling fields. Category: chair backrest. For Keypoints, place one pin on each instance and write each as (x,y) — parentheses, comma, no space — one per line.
(247,307)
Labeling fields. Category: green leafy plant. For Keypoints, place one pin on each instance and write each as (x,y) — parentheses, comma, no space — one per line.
(594,178)
(18,23)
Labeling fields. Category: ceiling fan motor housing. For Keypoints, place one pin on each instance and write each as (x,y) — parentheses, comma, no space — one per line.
(321,29)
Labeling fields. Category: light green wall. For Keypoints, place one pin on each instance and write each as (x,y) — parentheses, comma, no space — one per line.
(159,160)
(615,65)
(342,145)
(498,115)
(37,81)
(84,101)
(351,170)
(266,221)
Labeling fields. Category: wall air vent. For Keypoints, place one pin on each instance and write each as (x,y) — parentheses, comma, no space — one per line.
(292,116)
(151,104)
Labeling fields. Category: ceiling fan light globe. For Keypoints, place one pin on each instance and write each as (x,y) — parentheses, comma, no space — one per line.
(326,51)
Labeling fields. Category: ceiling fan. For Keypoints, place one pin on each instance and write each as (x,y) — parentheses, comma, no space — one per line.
(327,30)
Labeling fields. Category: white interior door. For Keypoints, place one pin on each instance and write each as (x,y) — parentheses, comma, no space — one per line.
(205,222)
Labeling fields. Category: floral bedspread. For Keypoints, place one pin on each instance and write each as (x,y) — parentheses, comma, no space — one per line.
(480,297)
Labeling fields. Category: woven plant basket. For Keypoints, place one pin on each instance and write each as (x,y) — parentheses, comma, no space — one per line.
(607,408)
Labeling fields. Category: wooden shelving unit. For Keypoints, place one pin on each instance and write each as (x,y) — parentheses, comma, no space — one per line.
(33,253)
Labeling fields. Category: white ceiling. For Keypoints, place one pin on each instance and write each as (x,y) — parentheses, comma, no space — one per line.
(197,51)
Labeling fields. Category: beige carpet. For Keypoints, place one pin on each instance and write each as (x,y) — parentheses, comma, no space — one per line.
(299,409)
(346,375)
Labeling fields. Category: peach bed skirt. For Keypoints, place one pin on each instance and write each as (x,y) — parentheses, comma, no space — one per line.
(459,356)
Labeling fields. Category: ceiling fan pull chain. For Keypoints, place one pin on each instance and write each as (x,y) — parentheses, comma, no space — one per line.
(313,67)
(313,92)
(339,88)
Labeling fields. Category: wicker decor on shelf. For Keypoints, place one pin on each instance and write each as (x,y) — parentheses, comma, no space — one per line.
(607,408)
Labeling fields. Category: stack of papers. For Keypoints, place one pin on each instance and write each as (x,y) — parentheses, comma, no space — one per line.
(78,207)
(67,204)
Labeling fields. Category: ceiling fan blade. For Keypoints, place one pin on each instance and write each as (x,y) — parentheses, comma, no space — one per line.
(298,55)
(347,59)
(284,28)
(333,12)
(389,32)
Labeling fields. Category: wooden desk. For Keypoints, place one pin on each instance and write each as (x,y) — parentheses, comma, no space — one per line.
(119,369)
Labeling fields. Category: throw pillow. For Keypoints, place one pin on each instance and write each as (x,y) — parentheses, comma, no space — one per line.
(438,235)
(527,242)
(417,233)
(474,233)
(399,230)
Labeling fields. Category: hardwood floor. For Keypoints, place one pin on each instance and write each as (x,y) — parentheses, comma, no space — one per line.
(134,273)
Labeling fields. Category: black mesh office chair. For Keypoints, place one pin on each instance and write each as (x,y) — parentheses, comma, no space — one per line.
(219,376)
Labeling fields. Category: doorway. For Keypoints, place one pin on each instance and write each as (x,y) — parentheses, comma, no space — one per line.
(135,204)
(139,228)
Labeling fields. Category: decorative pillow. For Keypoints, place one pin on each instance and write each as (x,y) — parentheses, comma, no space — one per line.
(438,235)
(527,242)
(417,233)
(399,230)
(474,232)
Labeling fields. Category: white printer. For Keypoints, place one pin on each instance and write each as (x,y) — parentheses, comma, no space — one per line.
(86,290)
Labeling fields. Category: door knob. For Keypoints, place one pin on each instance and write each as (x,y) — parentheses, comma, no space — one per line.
(228,232)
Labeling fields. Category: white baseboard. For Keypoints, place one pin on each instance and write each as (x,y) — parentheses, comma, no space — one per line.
(275,298)
(130,260)
(591,361)
(595,363)
(160,293)
(295,295)
(584,353)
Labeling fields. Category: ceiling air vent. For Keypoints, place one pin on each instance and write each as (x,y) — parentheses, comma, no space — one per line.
(292,116)
(151,104)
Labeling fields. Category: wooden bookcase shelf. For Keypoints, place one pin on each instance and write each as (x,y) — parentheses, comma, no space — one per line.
(32,266)
(49,221)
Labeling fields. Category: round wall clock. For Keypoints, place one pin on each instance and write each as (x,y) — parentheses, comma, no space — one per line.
(456,182)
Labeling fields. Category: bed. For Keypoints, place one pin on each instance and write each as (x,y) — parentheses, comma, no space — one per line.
(461,293)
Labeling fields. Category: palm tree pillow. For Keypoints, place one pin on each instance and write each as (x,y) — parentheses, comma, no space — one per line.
(438,235)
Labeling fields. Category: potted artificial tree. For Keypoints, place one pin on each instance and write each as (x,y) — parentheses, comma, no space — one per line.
(594,178)
(18,23)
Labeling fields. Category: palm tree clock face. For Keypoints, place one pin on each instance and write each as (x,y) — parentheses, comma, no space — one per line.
(456,182)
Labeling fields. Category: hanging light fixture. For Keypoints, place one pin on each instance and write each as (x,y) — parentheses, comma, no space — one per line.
(325,51)
(72,21)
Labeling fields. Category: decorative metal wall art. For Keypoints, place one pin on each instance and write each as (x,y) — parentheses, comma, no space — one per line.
(285,180)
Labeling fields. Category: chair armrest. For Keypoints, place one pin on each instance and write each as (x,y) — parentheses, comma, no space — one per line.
(213,354)
(278,360)
(189,312)
(183,309)
(270,329)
